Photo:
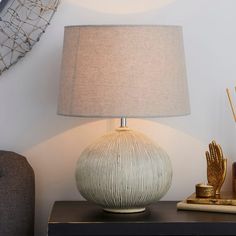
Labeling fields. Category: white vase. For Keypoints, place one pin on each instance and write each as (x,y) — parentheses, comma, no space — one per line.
(123,171)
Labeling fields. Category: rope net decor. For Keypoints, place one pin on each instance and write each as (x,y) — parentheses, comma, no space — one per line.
(22,22)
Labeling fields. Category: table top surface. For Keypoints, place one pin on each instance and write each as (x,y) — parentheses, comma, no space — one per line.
(83,212)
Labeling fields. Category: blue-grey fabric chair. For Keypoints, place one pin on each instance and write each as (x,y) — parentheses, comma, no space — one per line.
(17,195)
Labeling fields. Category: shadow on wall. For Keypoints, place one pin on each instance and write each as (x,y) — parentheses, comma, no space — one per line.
(54,159)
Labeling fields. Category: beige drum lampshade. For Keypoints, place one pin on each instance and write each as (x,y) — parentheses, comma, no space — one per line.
(123,71)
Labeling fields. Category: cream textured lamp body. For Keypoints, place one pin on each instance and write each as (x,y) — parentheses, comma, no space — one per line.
(123,171)
(123,71)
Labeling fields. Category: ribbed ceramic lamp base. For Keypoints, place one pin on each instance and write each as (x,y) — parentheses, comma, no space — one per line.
(123,171)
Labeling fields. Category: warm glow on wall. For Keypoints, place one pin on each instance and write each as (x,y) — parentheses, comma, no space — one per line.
(122,6)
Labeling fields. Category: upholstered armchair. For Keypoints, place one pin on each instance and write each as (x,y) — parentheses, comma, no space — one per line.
(17,195)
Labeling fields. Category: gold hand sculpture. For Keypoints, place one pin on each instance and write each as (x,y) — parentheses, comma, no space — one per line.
(216,166)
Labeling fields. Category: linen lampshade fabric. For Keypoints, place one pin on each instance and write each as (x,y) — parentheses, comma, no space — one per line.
(123,71)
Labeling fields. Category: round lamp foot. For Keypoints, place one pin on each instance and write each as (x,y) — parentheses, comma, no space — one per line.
(125,211)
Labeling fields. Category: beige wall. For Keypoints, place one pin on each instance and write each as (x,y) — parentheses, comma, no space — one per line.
(52,144)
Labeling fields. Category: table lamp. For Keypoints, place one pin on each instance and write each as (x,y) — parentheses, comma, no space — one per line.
(121,72)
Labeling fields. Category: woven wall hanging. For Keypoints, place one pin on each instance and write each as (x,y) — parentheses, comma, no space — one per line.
(22,22)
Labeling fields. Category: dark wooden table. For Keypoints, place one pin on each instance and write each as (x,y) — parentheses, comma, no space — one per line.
(82,218)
